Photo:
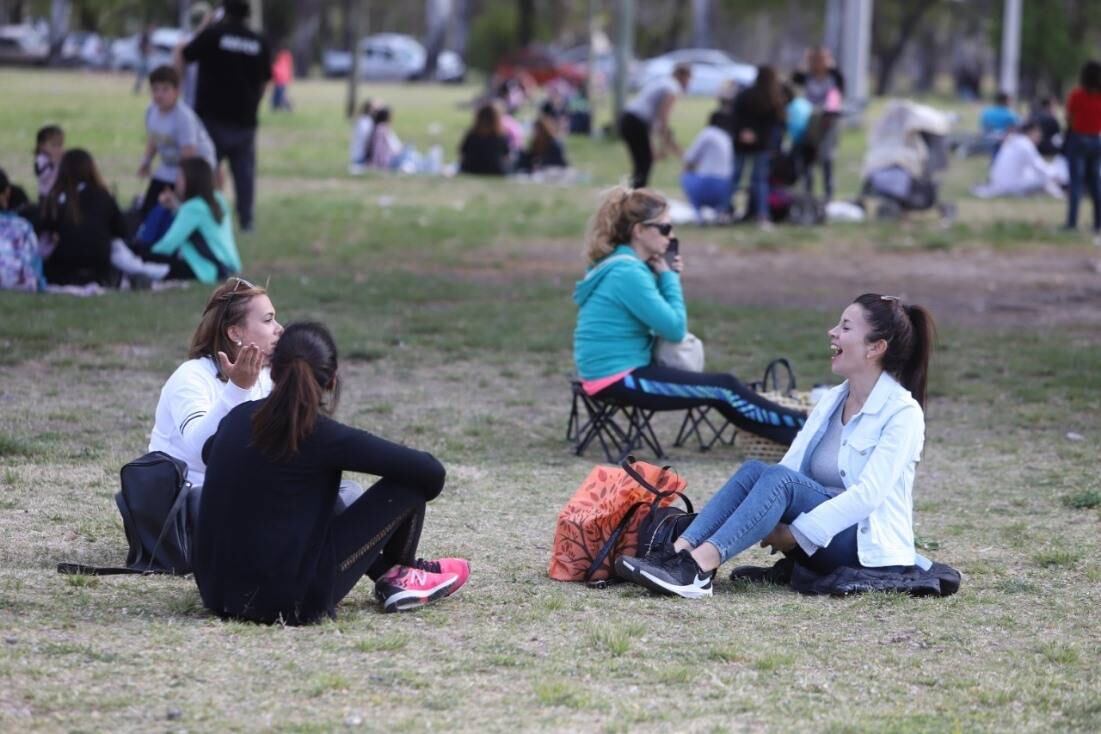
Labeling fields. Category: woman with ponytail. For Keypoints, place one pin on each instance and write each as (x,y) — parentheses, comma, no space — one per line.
(843,493)
(273,544)
(631,294)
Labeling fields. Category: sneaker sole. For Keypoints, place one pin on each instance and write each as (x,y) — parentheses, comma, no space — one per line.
(689,591)
(625,570)
(407,600)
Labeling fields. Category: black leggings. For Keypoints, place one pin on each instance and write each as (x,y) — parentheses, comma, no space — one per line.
(636,133)
(666,388)
(378,531)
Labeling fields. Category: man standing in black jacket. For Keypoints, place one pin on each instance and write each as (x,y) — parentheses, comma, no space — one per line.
(234,67)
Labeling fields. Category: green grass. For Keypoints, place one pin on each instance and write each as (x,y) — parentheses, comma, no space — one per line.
(450,302)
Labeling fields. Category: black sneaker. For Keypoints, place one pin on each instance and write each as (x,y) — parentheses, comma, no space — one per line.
(679,575)
(779,573)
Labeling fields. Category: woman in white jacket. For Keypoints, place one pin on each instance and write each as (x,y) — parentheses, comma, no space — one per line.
(227,365)
(842,495)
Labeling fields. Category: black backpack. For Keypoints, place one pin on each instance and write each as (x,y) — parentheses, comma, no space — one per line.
(157,505)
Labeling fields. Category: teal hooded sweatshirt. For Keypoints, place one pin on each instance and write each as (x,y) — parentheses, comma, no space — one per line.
(623,305)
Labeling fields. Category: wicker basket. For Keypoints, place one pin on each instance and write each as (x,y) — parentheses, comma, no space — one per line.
(762,449)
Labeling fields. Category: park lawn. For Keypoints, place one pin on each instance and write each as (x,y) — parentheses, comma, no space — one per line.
(447,348)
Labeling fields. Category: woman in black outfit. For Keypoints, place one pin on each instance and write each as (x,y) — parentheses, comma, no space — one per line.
(85,218)
(270,545)
(544,150)
(758,113)
(484,149)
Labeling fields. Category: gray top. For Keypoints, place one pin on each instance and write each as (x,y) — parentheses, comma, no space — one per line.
(646,103)
(823,462)
(173,130)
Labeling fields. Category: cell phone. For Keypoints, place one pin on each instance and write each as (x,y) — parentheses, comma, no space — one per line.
(672,251)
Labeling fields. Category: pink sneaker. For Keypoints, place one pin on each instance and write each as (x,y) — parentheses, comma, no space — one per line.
(407,587)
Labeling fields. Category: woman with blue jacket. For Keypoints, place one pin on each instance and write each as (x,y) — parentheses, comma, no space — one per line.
(199,244)
(843,493)
(629,296)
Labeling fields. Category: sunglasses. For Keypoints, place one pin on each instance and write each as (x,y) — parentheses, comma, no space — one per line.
(664,228)
(241,282)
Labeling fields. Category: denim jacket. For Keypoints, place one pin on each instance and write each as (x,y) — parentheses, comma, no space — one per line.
(880,448)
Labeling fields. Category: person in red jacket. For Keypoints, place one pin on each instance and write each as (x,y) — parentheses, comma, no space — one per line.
(282,74)
(1083,145)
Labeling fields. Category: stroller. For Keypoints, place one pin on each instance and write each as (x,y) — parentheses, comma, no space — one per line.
(907,149)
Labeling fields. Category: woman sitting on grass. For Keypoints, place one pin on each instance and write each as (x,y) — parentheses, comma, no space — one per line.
(485,148)
(843,493)
(227,365)
(270,545)
(199,244)
(82,217)
(629,296)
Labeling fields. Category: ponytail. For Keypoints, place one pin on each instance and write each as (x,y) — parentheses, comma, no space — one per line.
(302,367)
(915,371)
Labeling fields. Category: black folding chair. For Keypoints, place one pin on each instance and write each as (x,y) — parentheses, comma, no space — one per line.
(697,422)
(603,421)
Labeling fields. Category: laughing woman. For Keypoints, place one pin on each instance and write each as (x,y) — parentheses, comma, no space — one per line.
(843,493)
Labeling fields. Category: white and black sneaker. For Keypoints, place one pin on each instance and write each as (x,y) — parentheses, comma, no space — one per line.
(679,575)
(626,567)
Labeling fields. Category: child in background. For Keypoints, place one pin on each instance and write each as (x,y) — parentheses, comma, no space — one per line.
(384,147)
(20,261)
(282,73)
(49,144)
(174,132)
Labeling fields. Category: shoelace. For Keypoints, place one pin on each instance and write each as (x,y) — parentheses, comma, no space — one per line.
(430,566)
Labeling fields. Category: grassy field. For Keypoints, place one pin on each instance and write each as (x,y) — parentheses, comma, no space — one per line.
(450,302)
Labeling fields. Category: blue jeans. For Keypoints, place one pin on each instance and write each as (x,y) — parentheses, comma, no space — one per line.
(709,191)
(753,502)
(1084,161)
(758,180)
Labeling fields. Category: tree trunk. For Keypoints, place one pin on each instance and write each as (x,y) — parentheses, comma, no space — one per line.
(525,22)
(303,40)
(890,55)
(436,13)
(59,27)
(460,26)
(702,22)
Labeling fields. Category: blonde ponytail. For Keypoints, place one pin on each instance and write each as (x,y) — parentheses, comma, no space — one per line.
(620,210)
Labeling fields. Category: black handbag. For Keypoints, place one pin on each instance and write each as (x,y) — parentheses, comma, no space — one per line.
(663,524)
(156,503)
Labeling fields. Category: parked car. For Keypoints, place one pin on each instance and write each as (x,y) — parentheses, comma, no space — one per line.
(83,48)
(392,56)
(711,69)
(126,53)
(23,44)
(603,61)
(540,64)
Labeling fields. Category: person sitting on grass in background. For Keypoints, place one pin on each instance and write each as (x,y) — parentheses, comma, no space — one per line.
(485,149)
(843,493)
(384,148)
(272,543)
(172,132)
(361,135)
(708,177)
(199,243)
(84,220)
(544,151)
(1019,169)
(49,146)
(996,121)
(630,294)
(20,261)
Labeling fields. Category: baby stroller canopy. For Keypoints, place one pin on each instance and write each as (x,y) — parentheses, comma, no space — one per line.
(910,136)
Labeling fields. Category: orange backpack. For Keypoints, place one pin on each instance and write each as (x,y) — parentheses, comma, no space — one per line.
(602,519)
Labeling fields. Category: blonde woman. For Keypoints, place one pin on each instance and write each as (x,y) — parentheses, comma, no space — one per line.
(630,294)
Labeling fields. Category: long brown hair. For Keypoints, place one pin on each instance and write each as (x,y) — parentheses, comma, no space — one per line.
(76,167)
(199,182)
(303,368)
(766,96)
(227,306)
(620,210)
(487,121)
(910,335)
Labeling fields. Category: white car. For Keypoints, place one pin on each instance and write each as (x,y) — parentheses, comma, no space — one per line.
(23,44)
(392,56)
(126,54)
(82,48)
(711,70)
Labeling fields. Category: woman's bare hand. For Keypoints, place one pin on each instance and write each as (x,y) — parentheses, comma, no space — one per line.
(245,371)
